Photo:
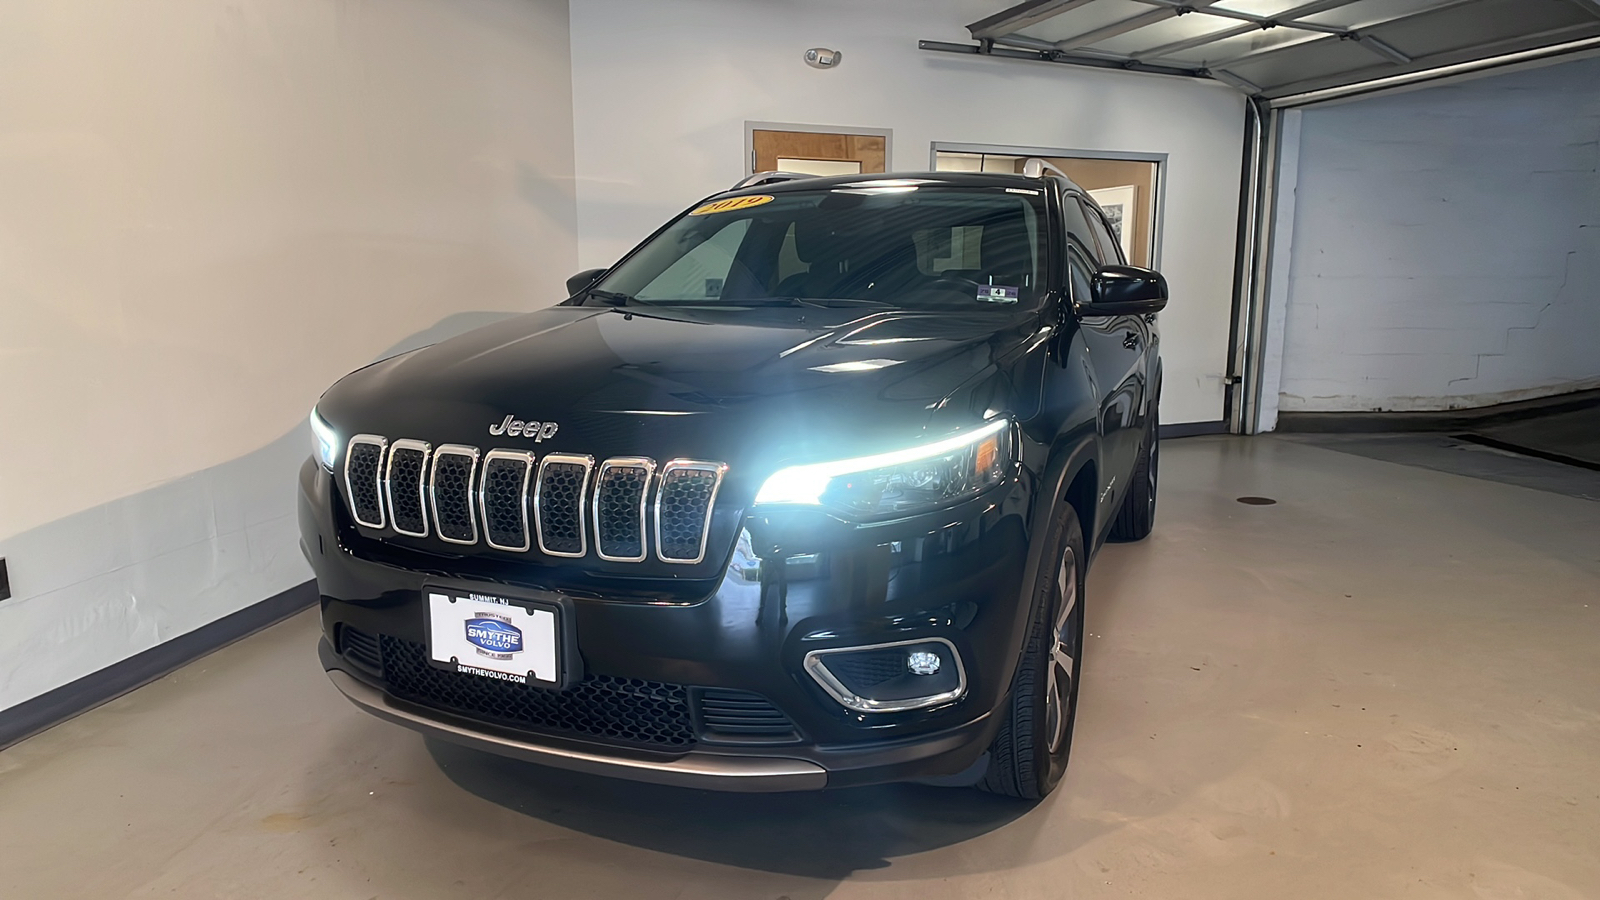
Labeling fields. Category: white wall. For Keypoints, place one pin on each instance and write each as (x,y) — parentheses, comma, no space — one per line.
(1447,246)
(210,210)
(662,92)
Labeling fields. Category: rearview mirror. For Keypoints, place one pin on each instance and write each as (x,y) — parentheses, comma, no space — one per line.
(1125,291)
(582,281)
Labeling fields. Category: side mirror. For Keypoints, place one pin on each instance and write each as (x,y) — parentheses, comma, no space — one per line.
(1125,291)
(582,281)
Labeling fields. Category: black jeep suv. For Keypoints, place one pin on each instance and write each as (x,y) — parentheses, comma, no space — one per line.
(798,494)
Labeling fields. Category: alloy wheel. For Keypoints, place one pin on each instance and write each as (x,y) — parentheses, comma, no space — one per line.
(1063,653)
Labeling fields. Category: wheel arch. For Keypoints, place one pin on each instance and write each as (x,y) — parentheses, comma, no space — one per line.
(1070,476)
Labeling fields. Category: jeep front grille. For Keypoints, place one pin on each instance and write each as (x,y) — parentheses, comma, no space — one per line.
(558,504)
(403,484)
(619,497)
(561,505)
(683,509)
(504,499)
(451,485)
(363,462)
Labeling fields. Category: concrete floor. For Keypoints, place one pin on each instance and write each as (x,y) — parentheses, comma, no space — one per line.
(1574,434)
(1386,685)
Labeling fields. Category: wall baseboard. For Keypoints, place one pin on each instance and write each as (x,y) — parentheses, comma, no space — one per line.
(30,717)
(1432,420)
(1192,429)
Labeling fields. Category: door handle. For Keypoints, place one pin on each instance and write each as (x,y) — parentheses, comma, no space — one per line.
(1130,340)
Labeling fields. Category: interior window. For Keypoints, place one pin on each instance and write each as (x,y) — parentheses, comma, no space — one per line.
(702,271)
(940,250)
(789,261)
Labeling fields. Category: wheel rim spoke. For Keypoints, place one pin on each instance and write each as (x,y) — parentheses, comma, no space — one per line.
(1062,648)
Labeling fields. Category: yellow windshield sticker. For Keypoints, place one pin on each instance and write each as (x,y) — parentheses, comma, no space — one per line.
(730,204)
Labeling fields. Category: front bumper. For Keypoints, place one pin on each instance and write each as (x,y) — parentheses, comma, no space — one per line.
(956,578)
(926,759)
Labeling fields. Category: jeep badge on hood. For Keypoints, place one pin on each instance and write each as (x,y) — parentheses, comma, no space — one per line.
(514,427)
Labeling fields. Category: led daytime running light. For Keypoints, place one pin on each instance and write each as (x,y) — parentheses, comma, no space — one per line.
(327,440)
(805,484)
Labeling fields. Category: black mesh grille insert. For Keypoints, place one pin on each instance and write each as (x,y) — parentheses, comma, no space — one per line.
(613,710)
(683,506)
(620,491)
(452,496)
(360,648)
(406,512)
(742,716)
(864,669)
(561,507)
(361,473)
(505,501)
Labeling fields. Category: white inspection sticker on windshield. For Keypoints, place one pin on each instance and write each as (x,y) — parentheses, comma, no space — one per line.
(997,293)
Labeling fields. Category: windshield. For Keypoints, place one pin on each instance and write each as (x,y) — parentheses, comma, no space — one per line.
(900,245)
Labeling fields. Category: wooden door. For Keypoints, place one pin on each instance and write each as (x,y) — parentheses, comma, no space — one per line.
(799,147)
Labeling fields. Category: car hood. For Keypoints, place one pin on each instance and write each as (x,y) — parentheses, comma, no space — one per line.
(753,387)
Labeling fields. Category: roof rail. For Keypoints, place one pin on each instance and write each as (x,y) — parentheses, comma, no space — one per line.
(1034,167)
(768,178)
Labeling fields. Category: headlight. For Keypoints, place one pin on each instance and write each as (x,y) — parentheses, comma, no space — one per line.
(900,482)
(325,440)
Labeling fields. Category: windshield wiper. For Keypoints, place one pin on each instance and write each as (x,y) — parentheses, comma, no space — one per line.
(615,298)
(744,302)
(814,302)
(835,302)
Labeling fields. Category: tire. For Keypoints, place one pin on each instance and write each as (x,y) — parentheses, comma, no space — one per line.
(1029,755)
(1137,517)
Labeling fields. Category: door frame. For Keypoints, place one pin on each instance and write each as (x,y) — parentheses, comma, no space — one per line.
(1158,213)
(751,127)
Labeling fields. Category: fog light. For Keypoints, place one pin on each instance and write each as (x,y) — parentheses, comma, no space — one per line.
(891,677)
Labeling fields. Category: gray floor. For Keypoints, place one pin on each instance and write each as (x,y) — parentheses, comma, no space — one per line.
(1575,434)
(1385,685)
(1452,454)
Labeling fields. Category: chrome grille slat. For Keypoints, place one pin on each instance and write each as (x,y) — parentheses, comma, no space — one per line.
(503,499)
(558,507)
(621,489)
(363,469)
(684,501)
(450,486)
(405,486)
(514,501)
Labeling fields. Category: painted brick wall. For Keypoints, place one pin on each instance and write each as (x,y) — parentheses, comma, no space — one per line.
(1446,246)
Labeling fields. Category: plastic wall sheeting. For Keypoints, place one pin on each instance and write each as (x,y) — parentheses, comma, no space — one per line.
(1446,246)
(209,211)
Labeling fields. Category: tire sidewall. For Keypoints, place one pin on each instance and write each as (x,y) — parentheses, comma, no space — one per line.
(1067,533)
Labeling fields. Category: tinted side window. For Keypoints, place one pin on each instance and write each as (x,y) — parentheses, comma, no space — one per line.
(1079,273)
(1077,223)
(1110,250)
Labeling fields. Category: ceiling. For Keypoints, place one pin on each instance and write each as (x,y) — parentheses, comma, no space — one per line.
(1278,48)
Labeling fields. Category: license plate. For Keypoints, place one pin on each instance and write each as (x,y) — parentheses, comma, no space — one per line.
(480,634)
